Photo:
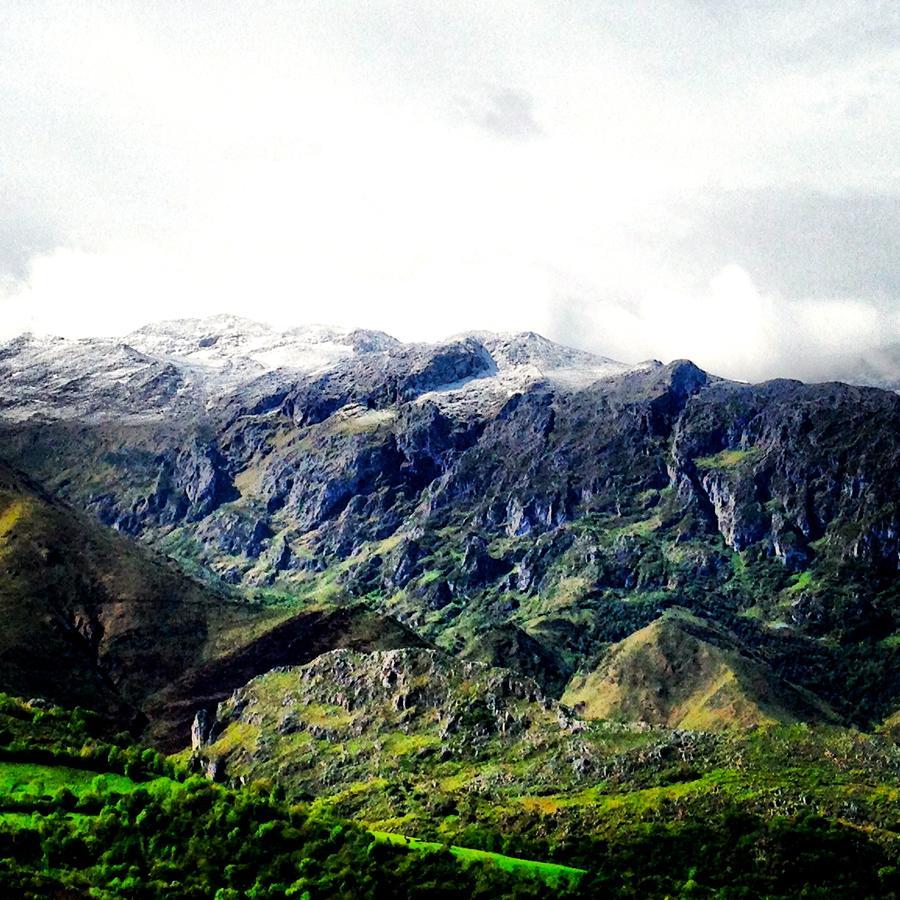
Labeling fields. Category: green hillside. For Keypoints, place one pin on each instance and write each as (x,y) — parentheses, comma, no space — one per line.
(80,816)
(93,618)
(414,743)
(682,672)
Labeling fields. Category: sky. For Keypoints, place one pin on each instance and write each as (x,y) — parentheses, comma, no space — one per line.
(677,178)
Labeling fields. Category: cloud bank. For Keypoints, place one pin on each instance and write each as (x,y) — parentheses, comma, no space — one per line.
(665,182)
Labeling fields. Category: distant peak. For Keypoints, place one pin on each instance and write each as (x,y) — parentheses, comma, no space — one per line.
(528,348)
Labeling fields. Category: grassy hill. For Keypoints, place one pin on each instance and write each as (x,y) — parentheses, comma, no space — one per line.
(82,816)
(683,672)
(416,743)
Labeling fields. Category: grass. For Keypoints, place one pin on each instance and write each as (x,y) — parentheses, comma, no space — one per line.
(801,581)
(325,715)
(400,744)
(552,873)
(35,779)
(610,527)
(11,515)
(248,481)
(727,459)
(240,734)
(22,781)
(642,527)
(566,592)
(430,576)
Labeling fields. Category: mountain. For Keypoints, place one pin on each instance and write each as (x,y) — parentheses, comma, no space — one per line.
(187,365)
(880,367)
(624,630)
(509,500)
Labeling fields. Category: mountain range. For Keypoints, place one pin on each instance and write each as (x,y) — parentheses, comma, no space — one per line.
(300,555)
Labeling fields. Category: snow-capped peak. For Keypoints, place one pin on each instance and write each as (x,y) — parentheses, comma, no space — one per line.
(191,363)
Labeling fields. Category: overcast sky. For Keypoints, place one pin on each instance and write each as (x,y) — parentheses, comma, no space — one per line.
(693,178)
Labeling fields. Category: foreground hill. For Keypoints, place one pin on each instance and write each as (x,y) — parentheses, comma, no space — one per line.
(80,817)
(84,818)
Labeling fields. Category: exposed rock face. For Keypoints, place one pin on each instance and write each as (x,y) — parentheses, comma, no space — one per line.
(235,534)
(419,697)
(201,728)
(739,516)
(200,474)
(785,455)
(377,381)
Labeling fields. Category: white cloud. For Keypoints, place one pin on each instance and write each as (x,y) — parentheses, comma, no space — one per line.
(325,162)
(731,328)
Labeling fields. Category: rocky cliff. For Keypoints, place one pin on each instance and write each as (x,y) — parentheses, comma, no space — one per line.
(514,501)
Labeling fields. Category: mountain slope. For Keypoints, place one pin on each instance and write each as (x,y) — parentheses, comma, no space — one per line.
(85,817)
(510,500)
(416,742)
(93,619)
(295,640)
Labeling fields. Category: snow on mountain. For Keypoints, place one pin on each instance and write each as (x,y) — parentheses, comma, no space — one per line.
(64,378)
(521,360)
(240,348)
(191,364)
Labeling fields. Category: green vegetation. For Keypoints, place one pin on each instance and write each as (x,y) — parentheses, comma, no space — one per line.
(83,815)
(717,686)
(31,779)
(554,874)
(519,778)
(127,823)
(801,581)
(728,459)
